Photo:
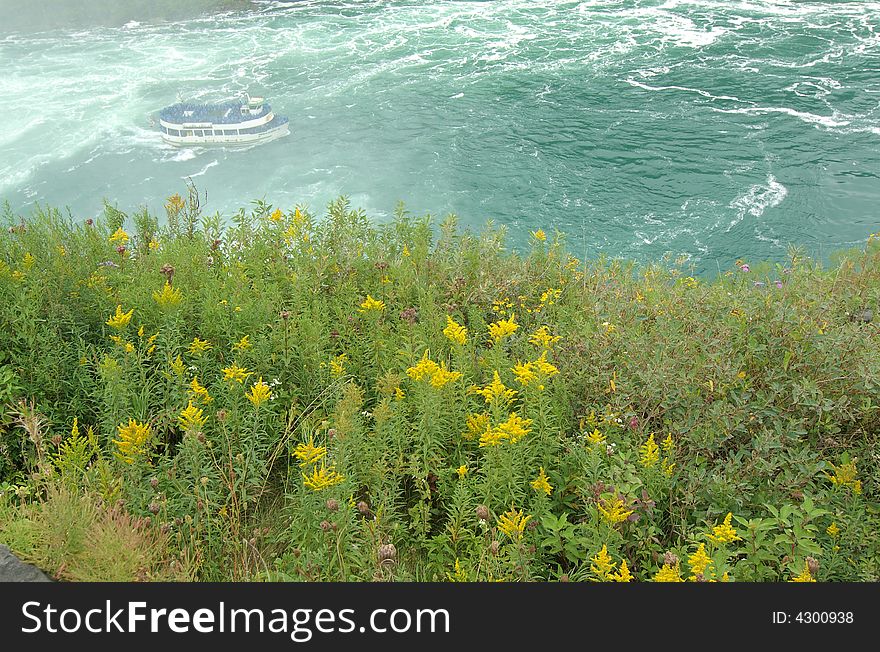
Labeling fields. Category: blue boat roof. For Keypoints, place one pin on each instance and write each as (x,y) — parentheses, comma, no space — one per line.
(219,113)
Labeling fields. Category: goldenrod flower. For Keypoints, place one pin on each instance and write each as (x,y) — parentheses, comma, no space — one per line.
(515,428)
(243,344)
(454,331)
(132,441)
(120,319)
(723,533)
(602,564)
(399,394)
(337,365)
(177,366)
(370,303)
(458,575)
(322,478)
(259,393)
(623,575)
(198,392)
(596,438)
(276,215)
(236,373)
(502,328)
(545,368)
(845,476)
(513,523)
(153,244)
(197,346)
(542,483)
(524,373)
(495,391)
(119,236)
(28,261)
(649,453)
(308,453)
(174,204)
(476,425)
(668,573)
(805,576)
(613,510)
(833,531)
(539,235)
(491,437)
(424,369)
(168,297)
(462,470)
(191,418)
(700,564)
(442,376)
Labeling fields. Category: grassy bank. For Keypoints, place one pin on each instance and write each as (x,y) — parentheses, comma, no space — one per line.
(294,398)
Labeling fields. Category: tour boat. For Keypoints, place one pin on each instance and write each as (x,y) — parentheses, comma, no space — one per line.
(240,122)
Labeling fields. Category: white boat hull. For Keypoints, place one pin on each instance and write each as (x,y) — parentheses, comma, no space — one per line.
(241,140)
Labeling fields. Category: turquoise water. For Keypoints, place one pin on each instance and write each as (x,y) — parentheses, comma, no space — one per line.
(713,129)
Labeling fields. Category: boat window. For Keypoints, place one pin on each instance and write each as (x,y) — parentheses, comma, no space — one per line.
(174,132)
(187,132)
(199,132)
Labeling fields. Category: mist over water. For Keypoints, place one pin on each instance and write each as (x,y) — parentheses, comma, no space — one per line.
(715,129)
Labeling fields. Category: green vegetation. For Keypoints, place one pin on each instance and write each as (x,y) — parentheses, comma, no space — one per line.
(291,398)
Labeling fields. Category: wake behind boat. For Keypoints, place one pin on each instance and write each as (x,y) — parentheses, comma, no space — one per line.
(226,123)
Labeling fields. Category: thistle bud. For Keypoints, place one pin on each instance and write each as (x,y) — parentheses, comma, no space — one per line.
(387,552)
(154,482)
(670,558)
(154,508)
(325,525)
(332,504)
(813,565)
(494,547)
(363,508)
(482,512)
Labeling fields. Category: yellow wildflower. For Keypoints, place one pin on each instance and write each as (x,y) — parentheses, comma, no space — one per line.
(805,576)
(723,533)
(177,366)
(442,376)
(602,564)
(119,236)
(513,523)
(613,510)
(542,483)
(543,367)
(132,441)
(129,347)
(502,328)
(539,235)
(454,331)
(153,244)
(623,575)
(462,470)
(259,393)
(833,531)
(700,564)
(491,437)
(243,344)
(649,453)
(192,418)
(236,373)
(399,394)
(459,575)
(308,453)
(525,373)
(596,438)
(120,319)
(370,303)
(322,478)
(337,365)
(515,428)
(494,392)
(424,369)
(276,215)
(197,346)
(477,424)
(845,476)
(198,392)
(543,338)
(668,573)
(168,297)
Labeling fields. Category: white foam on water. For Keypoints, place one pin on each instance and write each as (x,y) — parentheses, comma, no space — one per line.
(805,116)
(757,199)
(647,87)
(185,154)
(202,171)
